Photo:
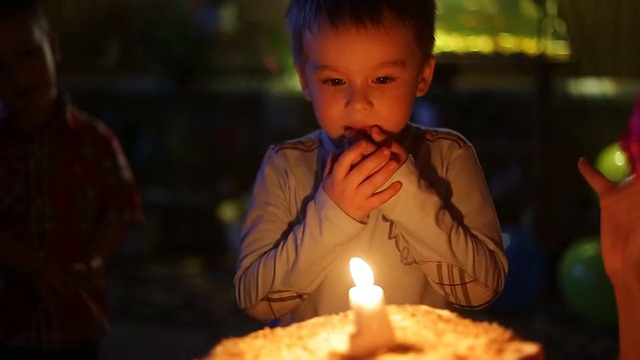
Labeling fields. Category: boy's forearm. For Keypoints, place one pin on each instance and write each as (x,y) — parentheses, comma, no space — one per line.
(437,238)
(294,268)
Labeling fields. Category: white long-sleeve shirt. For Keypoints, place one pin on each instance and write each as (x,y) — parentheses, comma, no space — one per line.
(437,240)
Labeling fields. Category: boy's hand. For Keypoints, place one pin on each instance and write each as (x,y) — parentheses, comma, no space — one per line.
(619,223)
(380,137)
(353,178)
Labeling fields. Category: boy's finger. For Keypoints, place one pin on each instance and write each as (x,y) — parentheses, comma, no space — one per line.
(373,182)
(379,137)
(372,163)
(382,196)
(598,182)
(331,160)
(377,134)
(353,136)
(353,156)
(348,158)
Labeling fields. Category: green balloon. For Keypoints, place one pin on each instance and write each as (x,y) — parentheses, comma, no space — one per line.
(613,163)
(584,284)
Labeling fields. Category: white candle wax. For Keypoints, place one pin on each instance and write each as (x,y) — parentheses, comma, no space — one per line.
(373,331)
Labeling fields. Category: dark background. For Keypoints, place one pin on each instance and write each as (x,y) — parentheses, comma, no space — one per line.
(196,90)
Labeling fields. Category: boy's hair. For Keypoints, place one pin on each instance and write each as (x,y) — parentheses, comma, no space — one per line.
(305,15)
(31,8)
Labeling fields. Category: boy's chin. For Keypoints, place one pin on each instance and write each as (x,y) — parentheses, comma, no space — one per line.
(350,137)
(353,135)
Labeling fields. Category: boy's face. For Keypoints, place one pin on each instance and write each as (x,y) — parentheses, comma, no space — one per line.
(27,65)
(357,78)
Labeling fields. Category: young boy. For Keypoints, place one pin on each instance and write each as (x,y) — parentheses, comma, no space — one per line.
(67,199)
(410,201)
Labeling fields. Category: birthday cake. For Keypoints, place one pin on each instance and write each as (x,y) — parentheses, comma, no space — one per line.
(421,332)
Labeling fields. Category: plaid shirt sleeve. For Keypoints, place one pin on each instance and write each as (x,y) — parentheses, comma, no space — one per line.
(119,196)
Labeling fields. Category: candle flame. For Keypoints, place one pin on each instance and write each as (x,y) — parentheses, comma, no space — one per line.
(360,272)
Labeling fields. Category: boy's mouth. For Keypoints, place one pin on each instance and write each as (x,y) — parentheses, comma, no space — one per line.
(352,135)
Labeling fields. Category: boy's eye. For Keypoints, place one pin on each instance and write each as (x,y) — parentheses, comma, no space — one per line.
(333,82)
(383,80)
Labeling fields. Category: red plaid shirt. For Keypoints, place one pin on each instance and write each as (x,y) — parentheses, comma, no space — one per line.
(56,186)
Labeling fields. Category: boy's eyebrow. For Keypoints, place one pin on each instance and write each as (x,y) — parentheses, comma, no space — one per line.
(400,63)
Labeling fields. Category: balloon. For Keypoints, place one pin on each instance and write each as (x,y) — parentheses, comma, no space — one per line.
(584,284)
(231,213)
(613,163)
(630,139)
(527,270)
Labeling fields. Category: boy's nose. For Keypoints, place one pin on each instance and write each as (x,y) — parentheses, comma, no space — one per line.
(358,99)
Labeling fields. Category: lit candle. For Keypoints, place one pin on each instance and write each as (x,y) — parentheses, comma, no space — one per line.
(373,331)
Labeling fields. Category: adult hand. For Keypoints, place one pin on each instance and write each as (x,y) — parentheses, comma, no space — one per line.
(353,178)
(619,224)
(89,274)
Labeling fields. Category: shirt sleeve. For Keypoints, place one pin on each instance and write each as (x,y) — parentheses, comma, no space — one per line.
(120,197)
(286,249)
(456,239)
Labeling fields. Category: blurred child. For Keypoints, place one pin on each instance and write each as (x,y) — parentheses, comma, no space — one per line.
(67,200)
(411,201)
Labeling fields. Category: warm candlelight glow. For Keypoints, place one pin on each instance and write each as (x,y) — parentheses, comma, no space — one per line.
(360,272)
(373,332)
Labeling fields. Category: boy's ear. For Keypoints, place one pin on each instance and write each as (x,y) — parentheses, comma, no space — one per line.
(425,76)
(302,79)
(54,44)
